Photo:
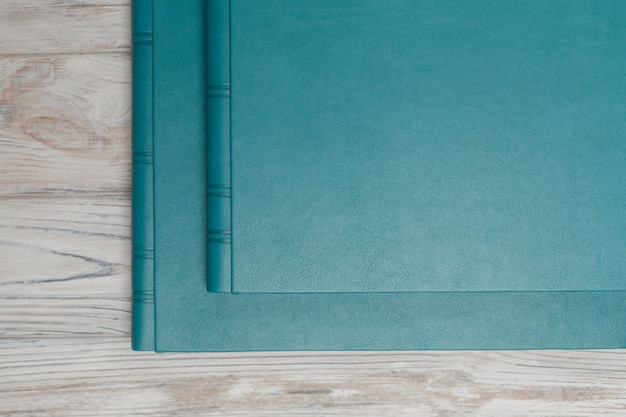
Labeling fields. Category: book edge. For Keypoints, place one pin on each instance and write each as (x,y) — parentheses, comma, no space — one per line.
(218,92)
(143,298)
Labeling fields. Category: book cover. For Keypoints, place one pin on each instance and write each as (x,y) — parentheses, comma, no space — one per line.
(378,175)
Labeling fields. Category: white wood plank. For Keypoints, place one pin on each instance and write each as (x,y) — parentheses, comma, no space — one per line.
(65,124)
(64,265)
(73,246)
(57,26)
(101,377)
(48,315)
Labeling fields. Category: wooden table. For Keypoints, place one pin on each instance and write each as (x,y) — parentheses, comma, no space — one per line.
(65,167)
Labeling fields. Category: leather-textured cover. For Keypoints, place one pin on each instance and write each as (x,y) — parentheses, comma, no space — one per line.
(428,145)
(377,175)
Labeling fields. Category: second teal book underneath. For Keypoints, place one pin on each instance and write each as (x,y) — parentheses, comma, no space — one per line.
(323,175)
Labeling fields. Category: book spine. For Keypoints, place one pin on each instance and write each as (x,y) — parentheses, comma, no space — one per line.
(219,236)
(143,311)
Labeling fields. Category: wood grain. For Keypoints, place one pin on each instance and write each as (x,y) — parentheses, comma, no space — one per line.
(57,26)
(99,376)
(64,265)
(72,247)
(65,124)
(63,316)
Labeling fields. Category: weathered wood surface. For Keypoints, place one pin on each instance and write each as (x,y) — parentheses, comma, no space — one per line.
(65,273)
(99,376)
(64,265)
(77,246)
(45,27)
(64,124)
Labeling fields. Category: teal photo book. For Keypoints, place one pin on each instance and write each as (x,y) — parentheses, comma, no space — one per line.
(378,175)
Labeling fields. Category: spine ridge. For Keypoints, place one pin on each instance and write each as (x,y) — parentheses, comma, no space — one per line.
(218,91)
(143,297)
